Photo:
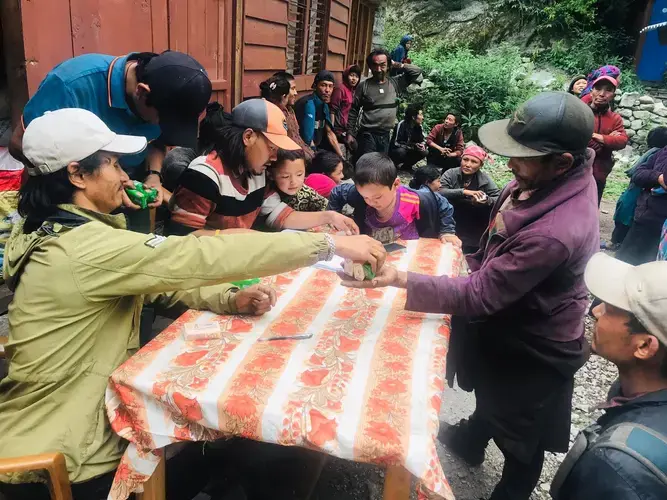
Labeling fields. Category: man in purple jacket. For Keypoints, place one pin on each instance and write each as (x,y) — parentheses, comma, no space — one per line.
(525,298)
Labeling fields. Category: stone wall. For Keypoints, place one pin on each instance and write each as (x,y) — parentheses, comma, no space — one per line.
(640,113)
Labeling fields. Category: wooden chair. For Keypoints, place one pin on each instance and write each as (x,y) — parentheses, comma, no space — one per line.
(52,463)
(59,488)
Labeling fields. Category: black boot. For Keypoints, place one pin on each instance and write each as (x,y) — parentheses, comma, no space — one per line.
(464,441)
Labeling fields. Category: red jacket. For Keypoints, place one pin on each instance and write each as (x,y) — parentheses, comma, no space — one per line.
(606,123)
(341,102)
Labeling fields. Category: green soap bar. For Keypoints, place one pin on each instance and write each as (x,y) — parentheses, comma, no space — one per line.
(140,195)
(368,272)
(245,283)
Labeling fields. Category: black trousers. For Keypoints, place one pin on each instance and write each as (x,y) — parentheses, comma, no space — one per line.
(519,477)
(641,243)
(600,185)
(619,233)
(444,163)
(372,141)
(405,157)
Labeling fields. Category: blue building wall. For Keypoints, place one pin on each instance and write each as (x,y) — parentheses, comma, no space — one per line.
(653,58)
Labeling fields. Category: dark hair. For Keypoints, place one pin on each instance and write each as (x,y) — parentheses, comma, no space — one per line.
(375,168)
(424,175)
(324,162)
(353,69)
(455,115)
(218,133)
(575,80)
(284,74)
(274,89)
(142,59)
(412,111)
(288,155)
(657,138)
(378,52)
(637,328)
(40,195)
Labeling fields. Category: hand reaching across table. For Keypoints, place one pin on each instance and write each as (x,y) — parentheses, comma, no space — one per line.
(386,276)
(361,249)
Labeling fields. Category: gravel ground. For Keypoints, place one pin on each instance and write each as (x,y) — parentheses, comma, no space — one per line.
(347,480)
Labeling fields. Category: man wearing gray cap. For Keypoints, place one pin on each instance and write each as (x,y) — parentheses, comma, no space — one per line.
(623,455)
(525,298)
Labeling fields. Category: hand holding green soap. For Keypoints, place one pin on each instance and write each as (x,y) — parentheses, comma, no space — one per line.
(140,195)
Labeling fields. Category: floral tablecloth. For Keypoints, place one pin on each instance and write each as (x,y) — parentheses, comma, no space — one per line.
(366,387)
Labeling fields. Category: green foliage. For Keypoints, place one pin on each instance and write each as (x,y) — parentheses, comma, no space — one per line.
(617,182)
(551,17)
(499,171)
(479,87)
(588,50)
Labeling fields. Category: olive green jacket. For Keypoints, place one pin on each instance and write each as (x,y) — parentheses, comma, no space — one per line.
(79,291)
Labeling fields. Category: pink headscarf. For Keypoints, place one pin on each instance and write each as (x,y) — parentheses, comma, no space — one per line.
(321,183)
(477,152)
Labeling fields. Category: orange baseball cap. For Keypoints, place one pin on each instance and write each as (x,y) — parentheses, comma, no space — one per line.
(265,117)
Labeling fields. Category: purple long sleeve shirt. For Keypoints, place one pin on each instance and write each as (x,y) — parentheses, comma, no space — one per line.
(529,277)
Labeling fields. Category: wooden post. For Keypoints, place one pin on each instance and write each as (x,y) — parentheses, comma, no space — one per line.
(155,488)
(17,82)
(237,63)
(396,483)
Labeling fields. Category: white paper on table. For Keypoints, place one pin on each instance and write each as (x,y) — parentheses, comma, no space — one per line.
(335,264)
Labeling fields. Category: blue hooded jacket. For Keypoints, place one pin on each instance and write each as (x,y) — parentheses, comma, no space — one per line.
(401,52)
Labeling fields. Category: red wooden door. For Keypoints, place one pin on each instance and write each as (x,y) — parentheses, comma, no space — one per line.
(203,29)
(55,30)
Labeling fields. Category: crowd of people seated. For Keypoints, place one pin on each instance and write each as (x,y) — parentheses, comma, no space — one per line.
(281,161)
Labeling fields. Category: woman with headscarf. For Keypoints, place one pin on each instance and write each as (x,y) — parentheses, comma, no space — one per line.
(341,100)
(604,71)
(472,193)
(400,53)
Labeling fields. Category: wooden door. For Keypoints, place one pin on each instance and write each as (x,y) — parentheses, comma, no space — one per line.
(203,29)
(360,35)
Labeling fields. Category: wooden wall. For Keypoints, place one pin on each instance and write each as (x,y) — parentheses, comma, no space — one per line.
(339,20)
(264,42)
(239,42)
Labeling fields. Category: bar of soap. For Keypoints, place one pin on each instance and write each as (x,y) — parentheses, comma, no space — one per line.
(201,331)
(359,272)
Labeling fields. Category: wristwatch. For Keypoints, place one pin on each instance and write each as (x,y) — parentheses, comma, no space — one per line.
(155,172)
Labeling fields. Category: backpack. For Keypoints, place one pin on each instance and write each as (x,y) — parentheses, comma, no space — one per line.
(645,445)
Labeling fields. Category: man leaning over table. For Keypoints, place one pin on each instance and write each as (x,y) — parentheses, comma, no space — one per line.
(156,96)
(80,280)
(525,298)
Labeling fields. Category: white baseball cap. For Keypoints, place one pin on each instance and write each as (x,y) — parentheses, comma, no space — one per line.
(640,290)
(58,138)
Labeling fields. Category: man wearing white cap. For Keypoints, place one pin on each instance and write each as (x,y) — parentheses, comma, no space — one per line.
(624,454)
